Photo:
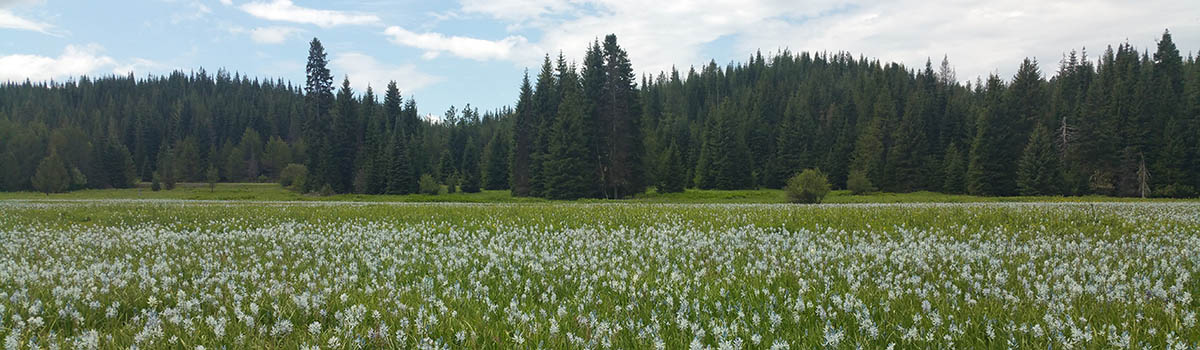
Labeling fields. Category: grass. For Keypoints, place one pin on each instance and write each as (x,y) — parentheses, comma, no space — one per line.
(273,192)
(583,275)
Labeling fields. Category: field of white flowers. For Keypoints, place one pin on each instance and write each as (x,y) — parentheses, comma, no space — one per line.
(88,275)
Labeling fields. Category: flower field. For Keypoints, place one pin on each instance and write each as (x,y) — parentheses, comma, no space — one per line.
(212,275)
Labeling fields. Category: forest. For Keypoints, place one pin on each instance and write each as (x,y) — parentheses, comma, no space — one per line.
(1124,123)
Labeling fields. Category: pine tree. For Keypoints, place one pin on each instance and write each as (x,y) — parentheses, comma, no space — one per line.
(166,169)
(52,175)
(791,149)
(472,177)
(546,99)
(1038,171)
(318,90)
(523,141)
(495,162)
(570,174)
(672,177)
(866,163)
(212,177)
(988,166)
(400,176)
(341,145)
(906,164)
(955,172)
(620,136)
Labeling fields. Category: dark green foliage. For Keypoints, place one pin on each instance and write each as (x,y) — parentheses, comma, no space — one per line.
(1123,124)
(472,178)
(672,177)
(495,162)
(155,182)
(570,172)
(1038,171)
(52,175)
(212,177)
(723,153)
(523,141)
(293,176)
(955,171)
(400,175)
(858,183)
(989,167)
(809,186)
(429,185)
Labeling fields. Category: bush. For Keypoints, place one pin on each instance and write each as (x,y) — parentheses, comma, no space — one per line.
(293,176)
(858,183)
(155,182)
(810,186)
(428,185)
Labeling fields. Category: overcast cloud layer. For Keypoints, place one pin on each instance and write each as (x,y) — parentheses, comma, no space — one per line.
(475,50)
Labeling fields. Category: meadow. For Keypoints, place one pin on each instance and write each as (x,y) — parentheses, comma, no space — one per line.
(108,274)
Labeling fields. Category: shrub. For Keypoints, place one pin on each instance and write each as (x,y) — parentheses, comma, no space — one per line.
(293,176)
(155,182)
(810,186)
(428,185)
(858,183)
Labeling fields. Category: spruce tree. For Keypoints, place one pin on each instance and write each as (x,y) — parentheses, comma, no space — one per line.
(955,171)
(318,90)
(495,162)
(672,177)
(988,166)
(523,141)
(620,136)
(1038,171)
(570,174)
(472,177)
(546,99)
(400,176)
(791,149)
(866,163)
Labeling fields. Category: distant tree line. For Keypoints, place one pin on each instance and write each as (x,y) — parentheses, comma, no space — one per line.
(1125,124)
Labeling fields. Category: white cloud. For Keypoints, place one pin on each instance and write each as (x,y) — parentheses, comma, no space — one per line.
(285,10)
(272,35)
(363,70)
(8,20)
(472,48)
(139,66)
(980,36)
(73,62)
(226,2)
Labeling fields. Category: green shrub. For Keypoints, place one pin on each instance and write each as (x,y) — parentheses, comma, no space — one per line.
(293,176)
(810,186)
(858,183)
(428,185)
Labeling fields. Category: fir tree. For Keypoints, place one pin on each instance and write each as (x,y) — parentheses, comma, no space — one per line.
(400,176)
(319,100)
(472,177)
(672,175)
(495,162)
(1038,171)
(570,174)
(955,171)
(523,141)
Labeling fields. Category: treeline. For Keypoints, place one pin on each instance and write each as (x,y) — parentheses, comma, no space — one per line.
(1124,124)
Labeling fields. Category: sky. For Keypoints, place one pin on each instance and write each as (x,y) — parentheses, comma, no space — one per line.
(447,53)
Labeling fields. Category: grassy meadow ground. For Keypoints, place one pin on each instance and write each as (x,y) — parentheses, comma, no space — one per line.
(273,192)
(253,266)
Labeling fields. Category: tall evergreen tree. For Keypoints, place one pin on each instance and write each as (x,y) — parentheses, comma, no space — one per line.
(570,174)
(1038,171)
(621,169)
(318,90)
(400,176)
(523,141)
(495,162)
(988,167)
